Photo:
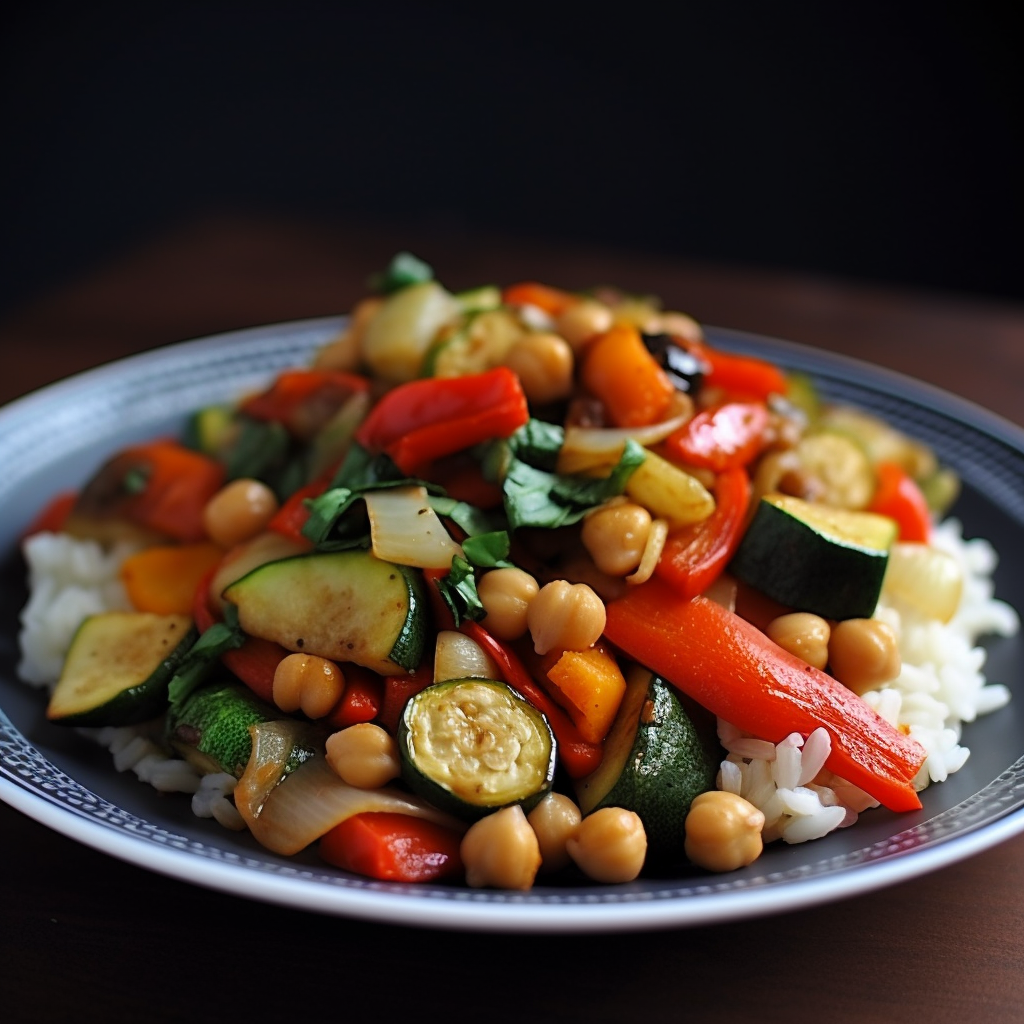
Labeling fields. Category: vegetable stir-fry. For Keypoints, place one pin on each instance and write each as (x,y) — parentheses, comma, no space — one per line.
(498,587)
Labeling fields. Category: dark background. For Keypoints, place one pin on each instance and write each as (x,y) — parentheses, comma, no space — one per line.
(880,142)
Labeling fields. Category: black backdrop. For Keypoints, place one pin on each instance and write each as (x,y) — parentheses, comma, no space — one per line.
(880,141)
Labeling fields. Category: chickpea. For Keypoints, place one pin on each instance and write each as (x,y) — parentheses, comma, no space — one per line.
(544,364)
(239,511)
(610,845)
(307,683)
(501,850)
(723,831)
(616,535)
(554,820)
(863,653)
(506,594)
(681,325)
(343,353)
(566,616)
(802,634)
(582,321)
(364,755)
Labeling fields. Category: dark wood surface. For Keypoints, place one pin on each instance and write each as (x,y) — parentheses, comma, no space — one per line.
(87,937)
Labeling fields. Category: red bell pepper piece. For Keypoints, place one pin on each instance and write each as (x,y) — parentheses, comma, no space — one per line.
(726,437)
(423,420)
(579,756)
(695,556)
(898,496)
(393,847)
(290,518)
(397,691)
(732,669)
(362,699)
(54,514)
(255,662)
(303,400)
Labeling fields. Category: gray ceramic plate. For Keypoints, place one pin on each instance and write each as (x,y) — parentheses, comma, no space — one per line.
(51,440)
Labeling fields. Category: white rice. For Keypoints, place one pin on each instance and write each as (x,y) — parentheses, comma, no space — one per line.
(941,686)
(70,579)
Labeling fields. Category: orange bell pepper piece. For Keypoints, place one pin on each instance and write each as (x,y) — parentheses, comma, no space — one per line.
(163,579)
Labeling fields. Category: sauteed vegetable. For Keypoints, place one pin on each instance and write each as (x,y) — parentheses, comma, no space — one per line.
(520,583)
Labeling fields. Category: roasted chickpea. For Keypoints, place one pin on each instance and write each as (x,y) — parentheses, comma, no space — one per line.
(364,755)
(802,634)
(239,511)
(610,845)
(544,364)
(582,321)
(554,820)
(307,683)
(501,850)
(343,353)
(506,594)
(616,535)
(565,616)
(723,831)
(863,653)
(681,325)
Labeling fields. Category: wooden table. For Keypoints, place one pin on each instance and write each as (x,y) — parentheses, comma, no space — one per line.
(85,936)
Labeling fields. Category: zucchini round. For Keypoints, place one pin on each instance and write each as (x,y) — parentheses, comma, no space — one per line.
(472,746)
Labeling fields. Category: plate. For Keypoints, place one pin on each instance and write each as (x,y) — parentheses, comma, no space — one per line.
(52,439)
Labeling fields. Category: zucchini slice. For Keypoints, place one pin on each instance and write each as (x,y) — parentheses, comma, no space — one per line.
(118,668)
(816,558)
(341,605)
(472,746)
(656,763)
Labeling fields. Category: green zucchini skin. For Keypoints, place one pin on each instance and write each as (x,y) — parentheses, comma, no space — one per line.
(814,558)
(210,728)
(656,762)
(341,605)
(473,746)
(118,669)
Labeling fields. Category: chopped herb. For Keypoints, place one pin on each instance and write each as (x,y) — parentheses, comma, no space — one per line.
(403,270)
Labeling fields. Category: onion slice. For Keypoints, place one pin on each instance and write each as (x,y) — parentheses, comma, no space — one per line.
(404,529)
(926,578)
(289,813)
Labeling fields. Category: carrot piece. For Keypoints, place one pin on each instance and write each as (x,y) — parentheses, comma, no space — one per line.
(737,673)
(529,293)
(589,685)
(393,847)
(163,579)
(619,369)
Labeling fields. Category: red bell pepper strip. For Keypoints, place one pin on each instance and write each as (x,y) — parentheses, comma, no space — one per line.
(303,400)
(427,419)
(393,847)
(361,700)
(695,556)
(732,669)
(898,496)
(740,376)
(255,662)
(529,293)
(578,756)
(726,437)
